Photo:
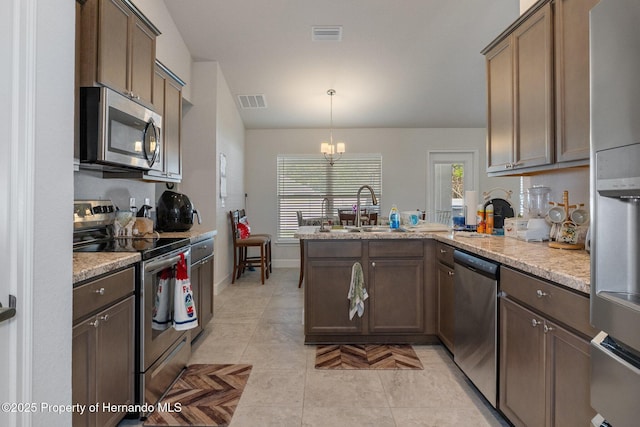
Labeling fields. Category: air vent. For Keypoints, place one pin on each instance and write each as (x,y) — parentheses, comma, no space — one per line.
(327,34)
(250,102)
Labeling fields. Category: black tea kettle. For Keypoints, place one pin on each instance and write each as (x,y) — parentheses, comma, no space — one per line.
(175,212)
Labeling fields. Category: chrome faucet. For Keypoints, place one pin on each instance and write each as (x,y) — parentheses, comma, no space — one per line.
(374,200)
(322,215)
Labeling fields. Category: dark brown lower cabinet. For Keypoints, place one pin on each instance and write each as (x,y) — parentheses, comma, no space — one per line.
(326,305)
(103,347)
(445,297)
(202,287)
(544,370)
(103,364)
(396,290)
(398,282)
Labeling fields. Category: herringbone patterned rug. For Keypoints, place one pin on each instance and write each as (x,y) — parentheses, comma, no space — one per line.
(204,395)
(367,356)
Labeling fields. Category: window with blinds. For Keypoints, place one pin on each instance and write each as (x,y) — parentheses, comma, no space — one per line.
(305,180)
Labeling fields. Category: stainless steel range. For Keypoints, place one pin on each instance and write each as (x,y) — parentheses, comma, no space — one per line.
(161,351)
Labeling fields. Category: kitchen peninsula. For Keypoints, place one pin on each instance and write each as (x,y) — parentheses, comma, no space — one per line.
(400,277)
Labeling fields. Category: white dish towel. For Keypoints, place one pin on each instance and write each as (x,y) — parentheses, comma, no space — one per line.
(357,292)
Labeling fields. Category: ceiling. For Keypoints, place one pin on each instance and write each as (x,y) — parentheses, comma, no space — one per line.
(401,63)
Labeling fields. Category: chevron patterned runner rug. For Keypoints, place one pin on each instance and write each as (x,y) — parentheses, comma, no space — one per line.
(203,395)
(367,356)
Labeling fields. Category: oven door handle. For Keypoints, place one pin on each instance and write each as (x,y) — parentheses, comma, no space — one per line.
(161,265)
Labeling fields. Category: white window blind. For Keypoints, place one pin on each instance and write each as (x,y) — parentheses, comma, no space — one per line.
(304,180)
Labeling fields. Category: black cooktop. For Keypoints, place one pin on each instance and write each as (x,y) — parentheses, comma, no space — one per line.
(148,247)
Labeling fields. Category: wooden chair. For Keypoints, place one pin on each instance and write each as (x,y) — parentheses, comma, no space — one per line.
(348,217)
(241,260)
(242,214)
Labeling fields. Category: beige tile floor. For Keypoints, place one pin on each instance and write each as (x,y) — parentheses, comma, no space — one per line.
(262,325)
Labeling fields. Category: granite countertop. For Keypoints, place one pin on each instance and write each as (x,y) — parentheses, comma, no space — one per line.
(87,265)
(569,268)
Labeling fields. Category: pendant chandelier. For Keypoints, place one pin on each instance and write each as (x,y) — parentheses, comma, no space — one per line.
(332,152)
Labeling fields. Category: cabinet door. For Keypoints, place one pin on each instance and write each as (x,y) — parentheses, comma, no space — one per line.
(396,296)
(142,60)
(568,378)
(83,371)
(206,292)
(196,285)
(158,91)
(533,65)
(522,365)
(571,42)
(113,50)
(326,303)
(446,303)
(172,122)
(500,132)
(115,368)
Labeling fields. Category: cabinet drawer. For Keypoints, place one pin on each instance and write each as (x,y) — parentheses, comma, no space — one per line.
(445,254)
(95,295)
(397,249)
(335,249)
(201,250)
(563,305)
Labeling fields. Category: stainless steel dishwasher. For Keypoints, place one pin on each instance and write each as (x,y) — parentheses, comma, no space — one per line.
(476,313)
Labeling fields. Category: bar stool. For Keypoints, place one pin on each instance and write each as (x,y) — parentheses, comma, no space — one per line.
(241,260)
(242,214)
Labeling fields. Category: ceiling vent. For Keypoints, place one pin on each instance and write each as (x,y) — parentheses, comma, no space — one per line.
(326,34)
(250,102)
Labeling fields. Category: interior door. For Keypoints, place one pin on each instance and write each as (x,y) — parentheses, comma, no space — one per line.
(12,179)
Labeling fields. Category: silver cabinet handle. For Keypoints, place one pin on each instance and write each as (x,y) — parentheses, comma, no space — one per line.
(373,264)
(450,273)
(104,318)
(535,323)
(95,323)
(99,291)
(548,328)
(7,313)
(541,294)
(443,251)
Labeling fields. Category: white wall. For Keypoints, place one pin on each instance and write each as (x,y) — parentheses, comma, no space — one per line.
(404,167)
(211,127)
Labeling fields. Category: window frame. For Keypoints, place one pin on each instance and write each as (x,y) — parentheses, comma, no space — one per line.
(351,172)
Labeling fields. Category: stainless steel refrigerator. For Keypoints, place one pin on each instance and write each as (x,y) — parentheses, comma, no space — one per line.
(615,194)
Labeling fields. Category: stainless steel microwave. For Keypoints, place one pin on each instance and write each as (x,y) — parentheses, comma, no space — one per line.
(116,131)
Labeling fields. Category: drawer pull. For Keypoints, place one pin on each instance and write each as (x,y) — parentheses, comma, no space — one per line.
(104,318)
(541,294)
(548,328)
(373,264)
(443,251)
(450,273)
(99,291)
(95,323)
(535,323)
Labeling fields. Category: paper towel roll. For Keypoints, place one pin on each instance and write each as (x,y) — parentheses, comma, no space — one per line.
(471,202)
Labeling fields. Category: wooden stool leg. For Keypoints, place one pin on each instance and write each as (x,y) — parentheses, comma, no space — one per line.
(262,261)
(235,265)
